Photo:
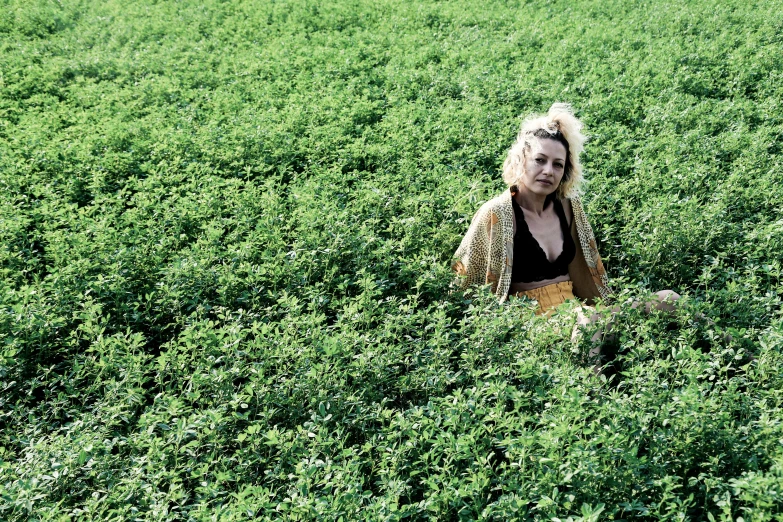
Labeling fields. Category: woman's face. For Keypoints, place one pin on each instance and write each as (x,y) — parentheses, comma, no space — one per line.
(544,167)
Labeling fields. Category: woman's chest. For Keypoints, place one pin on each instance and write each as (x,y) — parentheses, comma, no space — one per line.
(546,232)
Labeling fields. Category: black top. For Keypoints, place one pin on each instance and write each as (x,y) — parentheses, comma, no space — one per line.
(530,261)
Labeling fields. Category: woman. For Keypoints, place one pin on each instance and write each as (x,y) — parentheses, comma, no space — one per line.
(534,239)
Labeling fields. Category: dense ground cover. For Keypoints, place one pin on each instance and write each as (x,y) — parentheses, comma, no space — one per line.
(225,231)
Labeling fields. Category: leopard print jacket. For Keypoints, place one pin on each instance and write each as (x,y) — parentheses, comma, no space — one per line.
(486,254)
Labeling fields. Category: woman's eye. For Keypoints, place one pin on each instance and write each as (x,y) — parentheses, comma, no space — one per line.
(539,160)
(559,165)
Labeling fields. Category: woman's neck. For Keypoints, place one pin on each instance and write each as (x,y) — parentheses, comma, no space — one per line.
(533,203)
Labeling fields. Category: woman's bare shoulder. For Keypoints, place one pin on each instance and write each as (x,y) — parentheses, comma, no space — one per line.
(568,209)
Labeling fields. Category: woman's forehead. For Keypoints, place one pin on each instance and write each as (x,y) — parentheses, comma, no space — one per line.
(550,148)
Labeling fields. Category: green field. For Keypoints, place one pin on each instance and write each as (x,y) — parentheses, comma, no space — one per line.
(225,237)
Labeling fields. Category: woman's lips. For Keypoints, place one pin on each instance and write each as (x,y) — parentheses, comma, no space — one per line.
(544,181)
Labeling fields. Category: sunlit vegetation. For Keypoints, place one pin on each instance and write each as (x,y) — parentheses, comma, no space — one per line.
(225,235)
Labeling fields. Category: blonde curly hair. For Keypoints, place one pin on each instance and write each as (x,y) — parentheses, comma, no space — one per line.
(558,124)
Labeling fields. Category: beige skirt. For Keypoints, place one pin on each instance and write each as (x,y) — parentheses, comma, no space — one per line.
(549,297)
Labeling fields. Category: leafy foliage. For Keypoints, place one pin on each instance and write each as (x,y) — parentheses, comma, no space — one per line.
(225,230)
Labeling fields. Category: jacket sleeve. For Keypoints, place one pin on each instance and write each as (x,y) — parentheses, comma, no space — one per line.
(472,262)
(586,270)
(496,253)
